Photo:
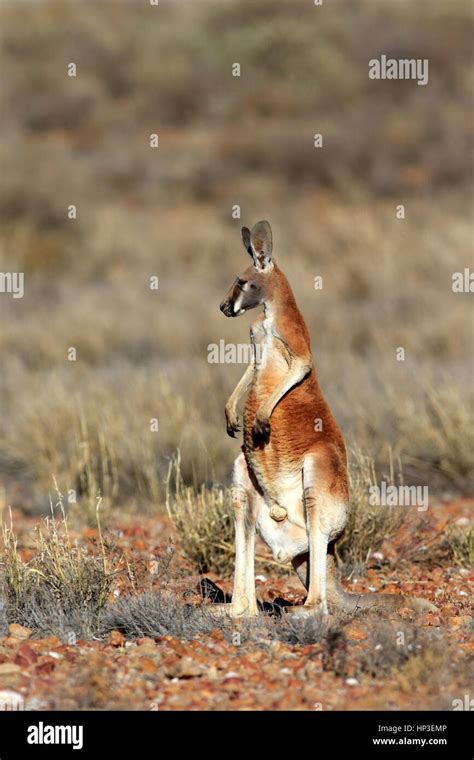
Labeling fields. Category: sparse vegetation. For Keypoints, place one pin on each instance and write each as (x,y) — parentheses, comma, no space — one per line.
(369,525)
(392,646)
(438,438)
(63,586)
(461,543)
(110,632)
(427,669)
(156,614)
(204,521)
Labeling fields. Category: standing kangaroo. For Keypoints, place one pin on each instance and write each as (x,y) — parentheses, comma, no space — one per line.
(290,482)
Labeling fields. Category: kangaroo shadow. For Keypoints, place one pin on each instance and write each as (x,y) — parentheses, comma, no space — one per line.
(208,590)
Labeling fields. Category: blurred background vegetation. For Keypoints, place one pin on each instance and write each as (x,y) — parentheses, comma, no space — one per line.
(142,354)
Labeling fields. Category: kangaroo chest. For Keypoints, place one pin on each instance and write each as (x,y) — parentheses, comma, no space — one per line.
(271,353)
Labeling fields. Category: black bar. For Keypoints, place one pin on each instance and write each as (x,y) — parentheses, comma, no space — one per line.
(315,733)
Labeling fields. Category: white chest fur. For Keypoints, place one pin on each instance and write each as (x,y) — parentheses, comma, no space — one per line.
(267,340)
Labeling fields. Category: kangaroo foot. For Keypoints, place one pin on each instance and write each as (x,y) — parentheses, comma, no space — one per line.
(233,611)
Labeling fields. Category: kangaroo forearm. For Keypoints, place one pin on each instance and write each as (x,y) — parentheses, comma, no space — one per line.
(298,370)
(240,388)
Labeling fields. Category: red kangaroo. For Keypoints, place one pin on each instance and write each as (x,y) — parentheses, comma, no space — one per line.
(290,482)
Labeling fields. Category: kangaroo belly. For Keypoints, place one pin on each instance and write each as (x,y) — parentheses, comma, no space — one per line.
(287,538)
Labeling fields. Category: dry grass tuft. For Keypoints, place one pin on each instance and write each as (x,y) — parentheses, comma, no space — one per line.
(368,525)
(403,649)
(203,520)
(438,435)
(63,586)
(460,540)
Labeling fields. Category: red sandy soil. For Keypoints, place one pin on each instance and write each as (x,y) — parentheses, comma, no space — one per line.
(211,673)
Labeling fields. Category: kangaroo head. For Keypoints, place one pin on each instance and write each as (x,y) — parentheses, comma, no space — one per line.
(252,287)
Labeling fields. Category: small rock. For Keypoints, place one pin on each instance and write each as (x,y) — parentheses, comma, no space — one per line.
(429,618)
(184,668)
(352,682)
(457,621)
(25,656)
(146,665)
(146,641)
(47,665)
(355,632)
(116,639)
(19,631)
(188,668)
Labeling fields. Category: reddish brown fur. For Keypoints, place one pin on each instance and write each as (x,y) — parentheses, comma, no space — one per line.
(293,431)
(291,483)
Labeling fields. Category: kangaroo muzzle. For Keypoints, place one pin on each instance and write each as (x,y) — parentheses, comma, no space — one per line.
(227,308)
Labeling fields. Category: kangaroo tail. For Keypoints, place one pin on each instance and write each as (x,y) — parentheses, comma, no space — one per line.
(350,602)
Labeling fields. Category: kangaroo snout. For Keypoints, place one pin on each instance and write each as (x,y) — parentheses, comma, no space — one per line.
(226,308)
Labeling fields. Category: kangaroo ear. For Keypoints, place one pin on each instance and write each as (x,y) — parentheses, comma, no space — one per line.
(245,232)
(262,245)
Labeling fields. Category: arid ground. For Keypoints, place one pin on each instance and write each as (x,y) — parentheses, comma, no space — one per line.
(156,646)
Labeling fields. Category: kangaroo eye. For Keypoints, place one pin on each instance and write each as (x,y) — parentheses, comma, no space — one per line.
(253,286)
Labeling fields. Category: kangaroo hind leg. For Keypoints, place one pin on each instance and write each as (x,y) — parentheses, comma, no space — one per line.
(325,504)
(245,499)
